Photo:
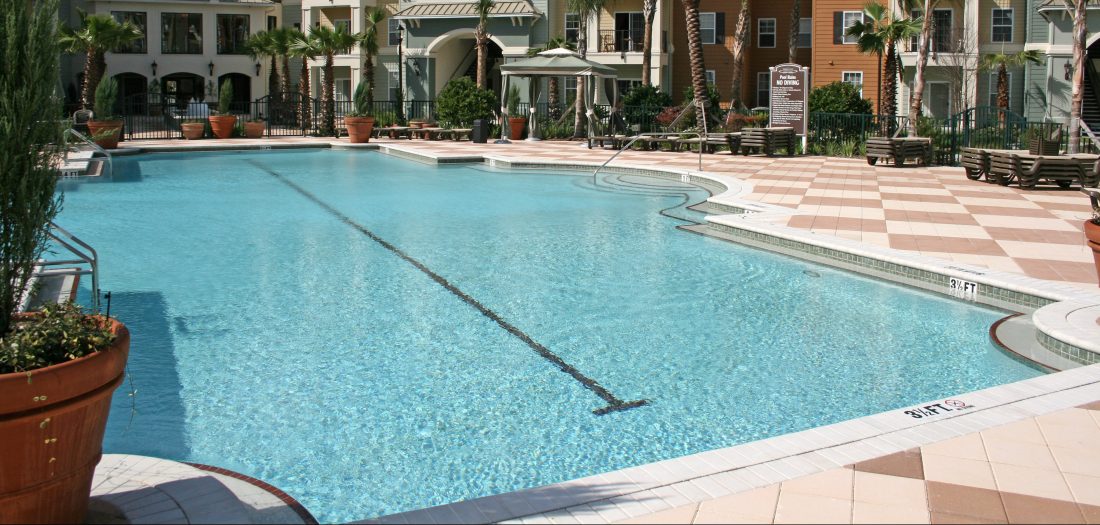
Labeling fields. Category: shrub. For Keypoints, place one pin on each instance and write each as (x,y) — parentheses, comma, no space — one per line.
(62,332)
(106,98)
(461,102)
(225,97)
(513,101)
(360,104)
(714,112)
(838,97)
(643,104)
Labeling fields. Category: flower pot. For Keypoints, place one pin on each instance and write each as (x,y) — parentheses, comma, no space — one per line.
(515,127)
(1092,233)
(359,129)
(222,125)
(1038,146)
(416,124)
(255,129)
(105,133)
(193,130)
(51,424)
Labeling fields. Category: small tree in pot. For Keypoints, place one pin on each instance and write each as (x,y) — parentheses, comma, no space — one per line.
(59,367)
(105,126)
(516,122)
(223,122)
(1092,227)
(359,121)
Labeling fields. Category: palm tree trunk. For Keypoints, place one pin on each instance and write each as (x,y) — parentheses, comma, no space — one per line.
(889,104)
(328,105)
(695,50)
(1002,87)
(482,57)
(792,44)
(93,72)
(284,76)
(368,74)
(552,98)
(578,105)
(739,37)
(649,9)
(305,111)
(1078,87)
(922,63)
(273,78)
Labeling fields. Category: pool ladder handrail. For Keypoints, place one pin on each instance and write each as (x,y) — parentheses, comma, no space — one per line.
(84,138)
(702,137)
(84,253)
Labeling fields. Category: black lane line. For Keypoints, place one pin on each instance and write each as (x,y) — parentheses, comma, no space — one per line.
(614,404)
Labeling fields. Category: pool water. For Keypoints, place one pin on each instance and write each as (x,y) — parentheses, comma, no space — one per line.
(374,335)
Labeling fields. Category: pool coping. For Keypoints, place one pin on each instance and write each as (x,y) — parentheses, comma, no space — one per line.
(1059,311)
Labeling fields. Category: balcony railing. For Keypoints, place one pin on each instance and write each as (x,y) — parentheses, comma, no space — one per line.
(955,40)
(620,41)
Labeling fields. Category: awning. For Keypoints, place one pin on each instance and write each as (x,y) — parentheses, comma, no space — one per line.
(513,9)
(557,63)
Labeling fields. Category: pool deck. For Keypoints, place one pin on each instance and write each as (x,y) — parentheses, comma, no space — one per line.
(1023,452)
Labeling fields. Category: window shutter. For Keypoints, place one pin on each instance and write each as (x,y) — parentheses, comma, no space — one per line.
(838,27)
(719,28)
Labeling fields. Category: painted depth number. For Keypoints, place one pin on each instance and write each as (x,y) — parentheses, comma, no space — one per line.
(964,289)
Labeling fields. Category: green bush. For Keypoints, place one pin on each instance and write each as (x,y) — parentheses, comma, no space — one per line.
(461,102)
(62,332)
(106,97)
(714,112)
(360,106)
(643,104)
(838,97)
(513,101)
(225,97)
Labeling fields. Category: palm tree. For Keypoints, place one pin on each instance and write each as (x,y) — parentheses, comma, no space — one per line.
(584,9)
(1001,62)
(369,44)
(649,10)
(796,26)
(481,34)
(695,51)
(96,35)
(307,48)
(552,83)
(281,41)
(330,42)
(917,101)
(740,36)
(1080,31)
(257,47)
(879,34)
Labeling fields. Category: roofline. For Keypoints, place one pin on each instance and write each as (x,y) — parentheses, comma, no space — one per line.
(400,16)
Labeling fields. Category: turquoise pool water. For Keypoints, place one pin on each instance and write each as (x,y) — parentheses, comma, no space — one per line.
(374,335)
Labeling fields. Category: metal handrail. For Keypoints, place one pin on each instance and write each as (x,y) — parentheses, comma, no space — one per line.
(702,138)
(1090,134)
(83,251)
(95,147)
(634,139)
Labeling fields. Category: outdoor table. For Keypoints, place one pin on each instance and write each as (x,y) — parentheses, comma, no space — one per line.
(461,133)
(396,131)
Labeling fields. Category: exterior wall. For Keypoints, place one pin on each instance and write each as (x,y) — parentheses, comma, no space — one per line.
(831,60)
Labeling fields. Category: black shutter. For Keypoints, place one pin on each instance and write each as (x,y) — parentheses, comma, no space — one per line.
(719,28)
(838,27)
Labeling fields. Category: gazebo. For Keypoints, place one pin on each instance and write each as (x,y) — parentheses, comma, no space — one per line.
(558,62)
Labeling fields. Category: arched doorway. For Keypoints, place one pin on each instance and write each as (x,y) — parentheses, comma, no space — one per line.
(181,88)
(242,91)
(455,55)
(132,91)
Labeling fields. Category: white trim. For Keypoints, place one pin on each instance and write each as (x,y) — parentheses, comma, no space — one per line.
(861,79)
(760,32)
(462,31)
(844,22)
(714,27)
(1011,25)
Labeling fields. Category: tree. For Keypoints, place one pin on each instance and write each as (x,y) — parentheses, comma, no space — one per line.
(796,26)
(838,97)
(552,82)
(649,10)
(926,20)
(281,41)
(330,42)
(481,34)
(695,50)
(96,35)
(374,17)
(584,9)
(879,34)
(1080,31)
(1001,62)
(740,36)
(258,47)
(307,48)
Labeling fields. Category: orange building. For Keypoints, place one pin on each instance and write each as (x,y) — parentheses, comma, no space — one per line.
(836,56)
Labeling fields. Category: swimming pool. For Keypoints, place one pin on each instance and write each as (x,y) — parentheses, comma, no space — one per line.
(374,335)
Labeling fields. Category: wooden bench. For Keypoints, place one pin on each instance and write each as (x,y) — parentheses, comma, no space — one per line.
(899,149)
(714,141)
(1064,170)
(650,142)
(767,140)
(975,161)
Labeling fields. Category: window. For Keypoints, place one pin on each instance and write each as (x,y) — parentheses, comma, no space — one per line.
(941,30)
(232,33)
(395,81)
(624,86)
(1002,25)
(629,31)
(765,32)
(854,78)
(181,33)
(805,32)
(993,89)
(272,22)
(570,86)
(572,27)
(850,19)
(707,29)
(710,76)
(345,23)
(393,26)
(763,89)
(138,19)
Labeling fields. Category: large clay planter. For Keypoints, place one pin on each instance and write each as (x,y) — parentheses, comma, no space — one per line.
(515,127)
(359,129)
(193,130)
(1092,233)
(222,125)
(254,129)
(108,132)
(51,425)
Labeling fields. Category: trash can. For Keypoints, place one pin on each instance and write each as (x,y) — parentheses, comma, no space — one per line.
(480,132)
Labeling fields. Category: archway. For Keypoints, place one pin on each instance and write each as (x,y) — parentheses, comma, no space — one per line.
(132,93)
(242,91)
(455,55)
(181,88)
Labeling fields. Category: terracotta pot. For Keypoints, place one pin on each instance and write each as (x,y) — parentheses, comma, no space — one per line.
(416,124)
(1092,233)
(109,132)
(359,129)
(193,130)
(515,127)
(254,130)
(51,424)
(222,125)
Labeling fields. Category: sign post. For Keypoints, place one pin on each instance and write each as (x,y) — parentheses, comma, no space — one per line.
(789,96)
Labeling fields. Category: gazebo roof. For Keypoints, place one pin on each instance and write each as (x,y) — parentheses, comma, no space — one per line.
(557,63)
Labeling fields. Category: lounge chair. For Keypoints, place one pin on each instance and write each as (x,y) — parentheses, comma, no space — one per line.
(975,161)
(899,149)
(713,141)
(767,140)
(1028,170)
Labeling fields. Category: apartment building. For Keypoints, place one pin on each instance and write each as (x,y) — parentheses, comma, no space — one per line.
(190,47)
(1047,86)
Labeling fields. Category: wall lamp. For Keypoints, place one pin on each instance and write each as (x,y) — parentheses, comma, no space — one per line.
(1069,71)
(211,65)
(257,69)
(154,65)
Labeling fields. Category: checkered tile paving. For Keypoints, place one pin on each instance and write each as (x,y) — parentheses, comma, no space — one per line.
(934,211)
(1039,470)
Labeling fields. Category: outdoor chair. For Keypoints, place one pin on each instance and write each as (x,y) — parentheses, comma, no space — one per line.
(975,161)
(1028,170)
(767,140)
(80,120)
(713,141)
(899,149)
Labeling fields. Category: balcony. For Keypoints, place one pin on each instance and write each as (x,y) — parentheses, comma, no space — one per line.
(620,41)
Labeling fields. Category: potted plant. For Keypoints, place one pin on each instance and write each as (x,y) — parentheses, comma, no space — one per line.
(359,122)
(1092,228)
(105,126)
(254,128)
(222,121)
(193,129)
(58,367)
(515,124)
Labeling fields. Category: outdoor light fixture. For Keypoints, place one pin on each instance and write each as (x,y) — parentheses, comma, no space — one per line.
(257,69)
(1069,71)
(211,65)
(154,64)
